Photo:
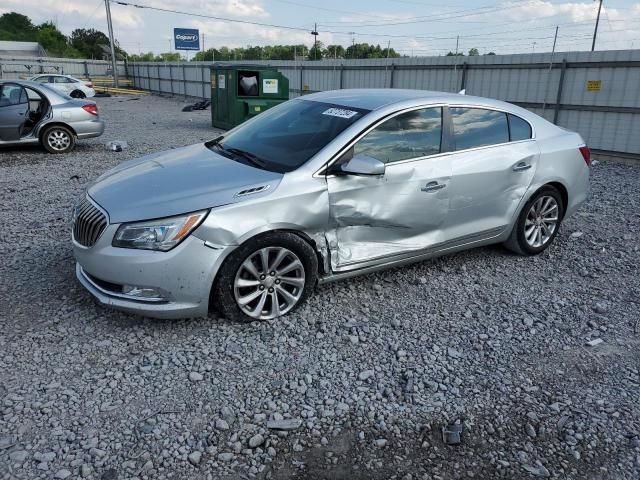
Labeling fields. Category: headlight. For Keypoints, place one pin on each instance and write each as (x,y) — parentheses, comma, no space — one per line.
(162,234)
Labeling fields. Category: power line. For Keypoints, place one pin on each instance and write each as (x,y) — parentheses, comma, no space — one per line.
(340,33)
(212,17)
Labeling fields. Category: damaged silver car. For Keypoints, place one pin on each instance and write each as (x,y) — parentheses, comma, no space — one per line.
(319,188)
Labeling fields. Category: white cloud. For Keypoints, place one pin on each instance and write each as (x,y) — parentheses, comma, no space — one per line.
(222,8)
(218,34)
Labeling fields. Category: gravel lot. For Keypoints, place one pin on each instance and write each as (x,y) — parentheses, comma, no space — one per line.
(361,379)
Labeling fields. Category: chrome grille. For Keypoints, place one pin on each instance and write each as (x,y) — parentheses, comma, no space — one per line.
(88,223)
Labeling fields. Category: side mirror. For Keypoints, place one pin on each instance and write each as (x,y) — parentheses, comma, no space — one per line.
(363,165)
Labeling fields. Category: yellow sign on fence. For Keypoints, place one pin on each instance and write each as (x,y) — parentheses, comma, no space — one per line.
(594,85)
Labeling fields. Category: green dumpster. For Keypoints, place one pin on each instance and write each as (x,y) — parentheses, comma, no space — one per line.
(239,92)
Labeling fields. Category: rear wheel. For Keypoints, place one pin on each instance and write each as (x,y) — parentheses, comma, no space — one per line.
(58,139)
(265,278)
(538,223)
(77,94)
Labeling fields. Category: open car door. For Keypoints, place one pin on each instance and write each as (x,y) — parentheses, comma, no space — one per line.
(14,110)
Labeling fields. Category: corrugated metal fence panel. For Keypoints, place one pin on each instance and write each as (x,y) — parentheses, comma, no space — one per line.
(522,78)
(16,67)
(605,130)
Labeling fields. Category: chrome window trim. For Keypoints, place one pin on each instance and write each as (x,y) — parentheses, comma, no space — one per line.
(319,173)
(493,145)
(495,109)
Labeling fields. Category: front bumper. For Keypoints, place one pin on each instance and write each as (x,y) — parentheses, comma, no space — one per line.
(183,275)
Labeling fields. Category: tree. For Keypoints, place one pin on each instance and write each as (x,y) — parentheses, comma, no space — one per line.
(55,42)
(334,51)
(17,27)
(315,52)
(143,57)
(490,53)
(90,43)
(474,52)
(451,54)
(364,50)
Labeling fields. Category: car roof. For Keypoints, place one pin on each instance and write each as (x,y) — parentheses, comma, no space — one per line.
(51,75)
(26,83)
(376,98)
(53,95)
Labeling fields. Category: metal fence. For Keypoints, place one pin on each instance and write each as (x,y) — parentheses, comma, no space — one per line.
(594,93)
(17,67)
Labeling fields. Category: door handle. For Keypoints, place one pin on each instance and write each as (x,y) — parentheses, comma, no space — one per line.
(433,187)
(520,167)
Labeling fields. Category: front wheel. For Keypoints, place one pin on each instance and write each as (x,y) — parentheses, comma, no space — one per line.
(538,223)
(58,139)
(265,278)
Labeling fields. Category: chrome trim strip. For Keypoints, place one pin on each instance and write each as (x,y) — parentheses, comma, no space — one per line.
(324,168)
(123,296)
(88,198)
(397,260)
(253,190)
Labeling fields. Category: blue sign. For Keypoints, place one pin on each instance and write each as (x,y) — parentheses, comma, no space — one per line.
(186,38)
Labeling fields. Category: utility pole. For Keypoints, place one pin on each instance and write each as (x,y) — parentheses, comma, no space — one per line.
(553,51)
(114,64)
(315,41)
(353,45)
(595,31)
(455,64)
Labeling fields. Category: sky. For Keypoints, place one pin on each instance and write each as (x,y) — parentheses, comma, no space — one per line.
(411,27)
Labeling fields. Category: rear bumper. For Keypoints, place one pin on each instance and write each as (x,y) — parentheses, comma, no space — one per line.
(579,191)
(88,128)
(183,276)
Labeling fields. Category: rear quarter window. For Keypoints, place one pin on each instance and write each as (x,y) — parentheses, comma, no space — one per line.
(519,128)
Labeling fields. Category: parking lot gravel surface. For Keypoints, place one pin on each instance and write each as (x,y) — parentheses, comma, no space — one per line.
(538,358)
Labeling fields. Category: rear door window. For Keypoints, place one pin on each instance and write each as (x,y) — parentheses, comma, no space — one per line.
(519,129)
(478,127)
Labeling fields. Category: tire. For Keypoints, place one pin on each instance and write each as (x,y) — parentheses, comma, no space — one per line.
(77,94)
(236,280)
(58,139)
(531,234)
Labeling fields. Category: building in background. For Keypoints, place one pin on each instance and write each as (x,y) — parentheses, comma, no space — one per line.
(21,49)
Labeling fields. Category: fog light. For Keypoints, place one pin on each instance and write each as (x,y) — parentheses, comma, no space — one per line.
(142,292)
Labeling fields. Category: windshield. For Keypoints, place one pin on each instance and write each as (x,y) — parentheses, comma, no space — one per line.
(285,137)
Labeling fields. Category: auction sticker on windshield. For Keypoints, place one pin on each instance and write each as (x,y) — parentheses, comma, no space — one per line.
(339,112)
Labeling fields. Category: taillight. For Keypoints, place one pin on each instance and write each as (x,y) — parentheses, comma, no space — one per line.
(586,154)
(90,85)
(91,108)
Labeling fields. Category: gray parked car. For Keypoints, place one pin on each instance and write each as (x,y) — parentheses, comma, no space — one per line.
(320,188)
(32,113)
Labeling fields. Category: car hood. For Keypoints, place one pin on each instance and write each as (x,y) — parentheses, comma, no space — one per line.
(175,182)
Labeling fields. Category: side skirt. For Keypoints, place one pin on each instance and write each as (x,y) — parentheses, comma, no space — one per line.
(486,238)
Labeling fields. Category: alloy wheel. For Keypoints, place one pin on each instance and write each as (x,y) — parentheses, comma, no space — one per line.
(269,283)
(541,222)
(58,140)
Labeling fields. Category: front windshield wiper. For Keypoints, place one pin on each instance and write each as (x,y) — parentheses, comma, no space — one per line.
(251,157)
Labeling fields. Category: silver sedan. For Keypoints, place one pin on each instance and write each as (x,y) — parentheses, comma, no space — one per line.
(32,113)
(320,188)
